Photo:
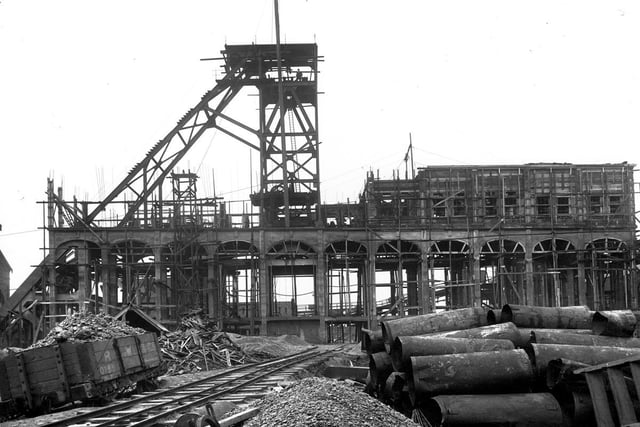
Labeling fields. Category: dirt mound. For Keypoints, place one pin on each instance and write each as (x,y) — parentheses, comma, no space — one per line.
(292,340)
(267,347)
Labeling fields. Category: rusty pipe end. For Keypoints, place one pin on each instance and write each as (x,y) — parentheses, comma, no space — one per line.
(395,351)
(493,317)
(506,315)
(387,335)
(379,367)
(434,412)
(599,323)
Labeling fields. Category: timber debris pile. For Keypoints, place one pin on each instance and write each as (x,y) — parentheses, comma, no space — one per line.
(521,365)
(86,327)
(321,402)
(197,345)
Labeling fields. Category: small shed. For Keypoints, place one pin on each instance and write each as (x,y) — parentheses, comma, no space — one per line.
(133,316)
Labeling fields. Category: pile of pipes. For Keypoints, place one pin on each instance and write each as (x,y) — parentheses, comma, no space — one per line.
(475,366)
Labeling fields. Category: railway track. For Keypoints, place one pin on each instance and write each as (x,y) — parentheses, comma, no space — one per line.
(162,407)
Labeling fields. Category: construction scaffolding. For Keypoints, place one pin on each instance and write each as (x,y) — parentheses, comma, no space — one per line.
(441,238)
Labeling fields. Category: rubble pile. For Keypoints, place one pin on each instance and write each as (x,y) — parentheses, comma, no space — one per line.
(85,327)
(327,403)
(522,365)
(198,345)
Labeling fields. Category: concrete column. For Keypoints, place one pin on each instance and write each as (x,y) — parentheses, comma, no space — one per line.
(321,295)
(265,285)
(528,272)
(84,281)
(632,278)
(53,293)
(108,279)
(212,288)
(571,288)
(528,268)
(253,299)
(476,274)
(160,283)
(426,298)
(582,280)
(235,297)
(412,290)
(214,305)
(371,286)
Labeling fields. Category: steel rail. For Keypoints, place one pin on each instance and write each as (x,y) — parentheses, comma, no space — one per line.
(201,401)
(189,395)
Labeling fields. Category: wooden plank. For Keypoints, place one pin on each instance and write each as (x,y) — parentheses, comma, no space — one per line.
(128,349)
(624,406)
(42,375)
(635,374)
(87,360)
(617,362)
(149,350)
(106,360)
(46,387)
(37,355)
(5,388)
(71,363)
(600,400)
(41,365)
(48,377)
(13,375)
(22,393)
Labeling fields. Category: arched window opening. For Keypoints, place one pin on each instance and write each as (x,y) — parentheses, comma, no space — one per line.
(502,273)
(397,267)
(292,271)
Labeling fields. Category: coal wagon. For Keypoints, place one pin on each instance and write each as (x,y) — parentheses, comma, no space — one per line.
(38,379)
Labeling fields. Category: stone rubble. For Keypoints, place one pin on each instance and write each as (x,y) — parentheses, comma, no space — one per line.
(322,402)
(85,327)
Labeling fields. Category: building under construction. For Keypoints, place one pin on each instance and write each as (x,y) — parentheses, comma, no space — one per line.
(438,238)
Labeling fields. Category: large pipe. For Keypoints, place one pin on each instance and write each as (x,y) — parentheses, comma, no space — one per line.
(576,403)
(574,317)
(542,354)
(542,336)
(614,323)
(530,409)
(372,341)
(461,318)
(493,316)
(393,387)
(379,368)
(403,348)
(506,370)
(502,331)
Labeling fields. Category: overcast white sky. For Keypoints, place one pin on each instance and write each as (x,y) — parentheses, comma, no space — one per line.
(87,87)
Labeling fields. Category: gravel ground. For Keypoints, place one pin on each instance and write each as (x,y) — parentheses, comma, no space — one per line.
(43,420)
(321,402)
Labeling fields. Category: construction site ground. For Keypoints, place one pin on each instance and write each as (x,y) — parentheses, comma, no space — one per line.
(275,346)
